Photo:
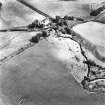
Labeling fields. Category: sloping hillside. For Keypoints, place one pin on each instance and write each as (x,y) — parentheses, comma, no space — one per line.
(50,70)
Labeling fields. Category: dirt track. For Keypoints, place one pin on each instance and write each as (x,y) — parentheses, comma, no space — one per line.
(39,74)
